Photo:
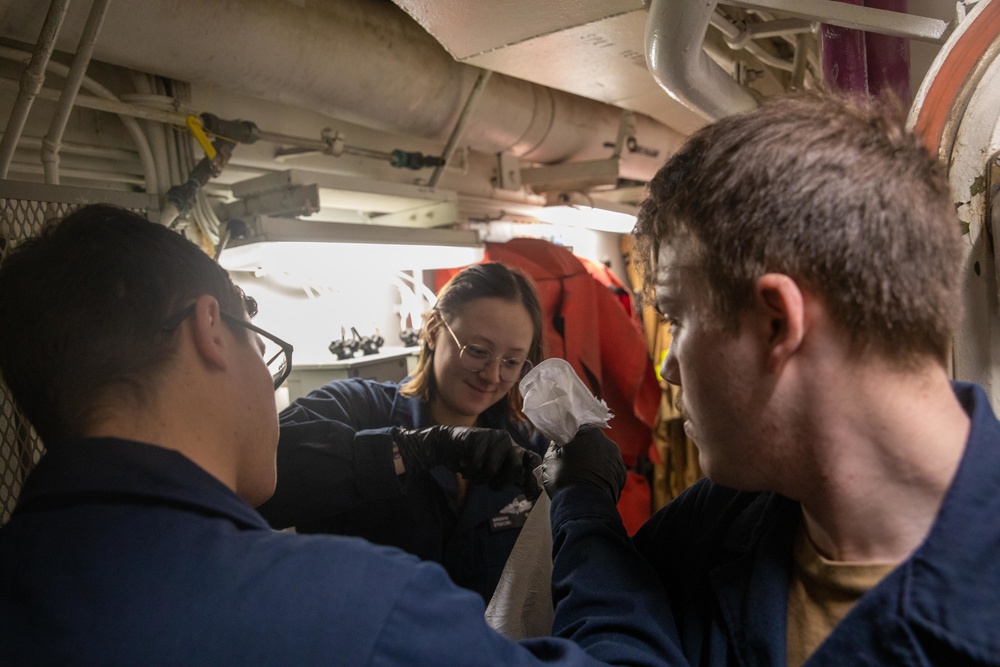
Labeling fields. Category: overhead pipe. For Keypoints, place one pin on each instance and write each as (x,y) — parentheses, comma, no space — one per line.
(743,39)
(675,31)
(888,57)
(96,175)
(778,28)
(801,62)
(877,16)
(156,133)
(31,81)
(109,98)
(101,102)
(845,65)
(84,51)
(176,90)
(84,150)
(332,143)
(867,63)
(322,61)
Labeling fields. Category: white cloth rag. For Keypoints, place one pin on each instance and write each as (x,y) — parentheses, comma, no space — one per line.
(557,403)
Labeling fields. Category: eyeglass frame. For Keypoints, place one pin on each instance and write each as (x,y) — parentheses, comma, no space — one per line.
(286,348)
(526,364)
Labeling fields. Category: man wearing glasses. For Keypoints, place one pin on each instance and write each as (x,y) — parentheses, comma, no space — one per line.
(135,541)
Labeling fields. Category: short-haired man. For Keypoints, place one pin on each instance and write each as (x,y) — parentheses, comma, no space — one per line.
(135,541)
(808,259)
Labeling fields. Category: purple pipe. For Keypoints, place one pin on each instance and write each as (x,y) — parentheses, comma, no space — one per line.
(845,65)
(864,63)
(888,57)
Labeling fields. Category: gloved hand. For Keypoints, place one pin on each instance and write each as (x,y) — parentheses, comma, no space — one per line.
(481,455)
(589,458)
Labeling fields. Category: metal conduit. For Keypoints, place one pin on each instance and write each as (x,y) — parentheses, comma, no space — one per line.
(31,81)
(741,39)
(675,31)
(50,145)
(142,145)
(84,150)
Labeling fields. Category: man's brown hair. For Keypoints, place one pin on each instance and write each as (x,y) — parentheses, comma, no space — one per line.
(832,191)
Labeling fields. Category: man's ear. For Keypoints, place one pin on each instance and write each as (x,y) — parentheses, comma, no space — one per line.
(780,303)
(209,332)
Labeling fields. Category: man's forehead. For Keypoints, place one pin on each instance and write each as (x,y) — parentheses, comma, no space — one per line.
(674,266)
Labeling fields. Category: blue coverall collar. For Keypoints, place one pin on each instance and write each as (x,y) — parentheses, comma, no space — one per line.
(939,593)
(74,469)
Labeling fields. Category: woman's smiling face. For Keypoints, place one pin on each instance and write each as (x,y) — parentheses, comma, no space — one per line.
(505,329)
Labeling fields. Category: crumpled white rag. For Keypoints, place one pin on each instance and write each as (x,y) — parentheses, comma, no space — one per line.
(558,403)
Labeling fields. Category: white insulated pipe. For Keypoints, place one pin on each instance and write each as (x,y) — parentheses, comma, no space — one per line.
(131,125)
(95,175)
(84,150)
(31,81)
(156,133)
(364,62)
(84,51)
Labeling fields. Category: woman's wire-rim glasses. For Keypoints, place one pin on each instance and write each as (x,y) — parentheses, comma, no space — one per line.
(477,358)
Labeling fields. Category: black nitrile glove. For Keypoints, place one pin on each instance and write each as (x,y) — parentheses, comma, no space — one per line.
(481,455)
(589,458)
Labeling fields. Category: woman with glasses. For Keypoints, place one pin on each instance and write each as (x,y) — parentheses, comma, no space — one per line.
(335,474)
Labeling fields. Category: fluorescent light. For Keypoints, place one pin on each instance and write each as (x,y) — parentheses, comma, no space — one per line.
(296,247)
(588,217)
(316,259)
(574,210)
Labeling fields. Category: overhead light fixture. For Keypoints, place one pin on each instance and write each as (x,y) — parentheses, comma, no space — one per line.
(331,197)
(576,210)
(588,217)
(579,209)
(290,246)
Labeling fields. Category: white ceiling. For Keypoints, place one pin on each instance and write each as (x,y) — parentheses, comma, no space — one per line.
(591,48)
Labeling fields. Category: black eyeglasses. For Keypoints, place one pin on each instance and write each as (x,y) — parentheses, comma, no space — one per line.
(277,353)
(476,358)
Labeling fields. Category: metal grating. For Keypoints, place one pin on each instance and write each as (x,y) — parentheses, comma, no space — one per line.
(24,209)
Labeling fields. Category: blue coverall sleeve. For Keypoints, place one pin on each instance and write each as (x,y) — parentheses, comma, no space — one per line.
(328,461)
(325,468)
(435,623)
(608,599)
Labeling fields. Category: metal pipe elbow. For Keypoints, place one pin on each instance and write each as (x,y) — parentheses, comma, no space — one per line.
(675,33)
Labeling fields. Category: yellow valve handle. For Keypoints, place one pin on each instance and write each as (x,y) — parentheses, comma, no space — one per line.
(194,125)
